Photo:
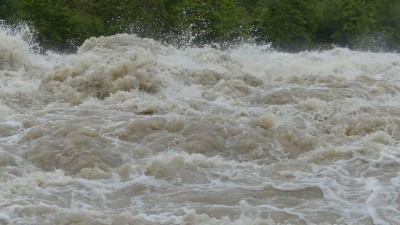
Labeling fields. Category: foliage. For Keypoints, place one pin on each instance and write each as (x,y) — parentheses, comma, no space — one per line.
(289,24)
(146,18)
(8,9)
(204,21)
(388,20)
(58,26)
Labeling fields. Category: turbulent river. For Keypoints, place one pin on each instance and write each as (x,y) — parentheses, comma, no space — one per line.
(130,131)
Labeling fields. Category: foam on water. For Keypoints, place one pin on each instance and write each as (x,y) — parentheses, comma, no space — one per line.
(129,131)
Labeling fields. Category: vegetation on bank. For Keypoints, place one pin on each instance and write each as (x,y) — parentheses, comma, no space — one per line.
(287,24)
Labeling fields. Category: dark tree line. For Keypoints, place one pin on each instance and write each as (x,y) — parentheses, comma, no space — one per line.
(287,24)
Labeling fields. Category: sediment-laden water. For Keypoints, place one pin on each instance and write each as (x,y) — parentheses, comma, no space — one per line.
(130,131)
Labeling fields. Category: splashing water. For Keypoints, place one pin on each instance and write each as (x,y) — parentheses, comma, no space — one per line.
(129,131)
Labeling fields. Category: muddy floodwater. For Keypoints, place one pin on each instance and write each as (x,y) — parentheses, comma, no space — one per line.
(130,131)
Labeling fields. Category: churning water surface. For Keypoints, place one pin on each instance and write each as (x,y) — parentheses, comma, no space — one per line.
(130,131)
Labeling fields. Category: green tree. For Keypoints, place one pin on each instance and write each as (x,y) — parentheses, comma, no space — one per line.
(359,21)
(388,17)
(145,18)
(286,23)
(50,19)
(59,24)
(148,18)
(205,21)
(330,20)
(347,22)
(85,18)
(8,10)
(249,5)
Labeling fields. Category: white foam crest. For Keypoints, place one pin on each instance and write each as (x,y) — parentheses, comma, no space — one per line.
(21,69)
(339,63)
(16,46)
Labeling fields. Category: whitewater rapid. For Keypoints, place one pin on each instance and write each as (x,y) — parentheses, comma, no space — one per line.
(130,131)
